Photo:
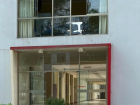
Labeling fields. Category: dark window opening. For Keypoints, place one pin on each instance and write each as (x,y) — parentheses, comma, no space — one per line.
(44,8)
(79,7)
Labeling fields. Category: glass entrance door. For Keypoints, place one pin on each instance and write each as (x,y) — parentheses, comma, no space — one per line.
(91,87)
(92,78)
(77,78)
(83,87)
(31,79)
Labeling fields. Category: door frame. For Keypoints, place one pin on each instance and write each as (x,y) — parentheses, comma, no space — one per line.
(73,46)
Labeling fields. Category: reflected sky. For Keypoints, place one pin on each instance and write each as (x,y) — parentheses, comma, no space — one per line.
(97,6)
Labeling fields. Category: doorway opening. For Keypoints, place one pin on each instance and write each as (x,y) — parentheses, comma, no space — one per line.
(77,75)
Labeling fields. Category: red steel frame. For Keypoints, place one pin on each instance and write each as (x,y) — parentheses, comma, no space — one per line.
(73,46)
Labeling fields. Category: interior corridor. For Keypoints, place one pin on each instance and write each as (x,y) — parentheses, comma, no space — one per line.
(93,102)
(77,77)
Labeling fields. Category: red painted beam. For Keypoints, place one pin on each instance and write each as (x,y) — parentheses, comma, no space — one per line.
(58,46)
(109,76)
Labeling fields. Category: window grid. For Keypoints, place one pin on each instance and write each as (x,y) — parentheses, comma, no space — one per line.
(53,17)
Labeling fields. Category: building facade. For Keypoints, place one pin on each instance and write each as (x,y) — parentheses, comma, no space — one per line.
(82,51)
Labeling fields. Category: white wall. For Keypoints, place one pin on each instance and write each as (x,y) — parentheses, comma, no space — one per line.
(124,34)
(5,76)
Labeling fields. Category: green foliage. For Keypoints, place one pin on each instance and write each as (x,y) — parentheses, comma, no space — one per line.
(94,11)
(55,101)
(6,104)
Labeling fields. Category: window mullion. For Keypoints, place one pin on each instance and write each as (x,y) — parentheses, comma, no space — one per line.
(70,15)
(52,15)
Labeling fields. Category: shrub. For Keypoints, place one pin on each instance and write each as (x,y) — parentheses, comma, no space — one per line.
(55,101)
(6,104)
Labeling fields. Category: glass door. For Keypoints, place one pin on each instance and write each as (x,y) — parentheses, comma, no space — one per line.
(92,78)
(83,88)
(61,75)
(31,79)
(66,75)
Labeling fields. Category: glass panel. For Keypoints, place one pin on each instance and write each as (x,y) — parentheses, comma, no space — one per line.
(92,88)
(37,98)
(62,78)
(89,25)
(79,7)
(92,76)
(48,85)
(61,61)
(35,8)
(43,27)
(83,88)
(24,98)
(25,28)
(44,8)
(96,6)
(35,28)
(26,8)
(61,27)
(61,7)
(37,88)
(30,62)
(31,88)
(56,85)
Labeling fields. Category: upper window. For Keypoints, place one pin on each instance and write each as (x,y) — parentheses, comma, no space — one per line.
(40,18)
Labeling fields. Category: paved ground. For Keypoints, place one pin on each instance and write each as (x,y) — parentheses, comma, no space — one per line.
(94,102)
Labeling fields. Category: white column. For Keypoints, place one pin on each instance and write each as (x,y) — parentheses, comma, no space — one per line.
(13,56)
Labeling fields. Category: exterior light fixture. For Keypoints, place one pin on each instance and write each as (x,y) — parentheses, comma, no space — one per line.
(80,50)
(40,51)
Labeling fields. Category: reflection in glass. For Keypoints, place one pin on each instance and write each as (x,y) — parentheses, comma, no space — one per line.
(30,62)
(83,85)
(76,28)
(92,75)
(26,8)
(62,77)
(61,27)
(92,86)
(24,99)
(97,6)
(37,88)
(89,25)
(36,81)
(31,88)
(61,7)
(43,27)
(34,28)
(61,61)
(37,98)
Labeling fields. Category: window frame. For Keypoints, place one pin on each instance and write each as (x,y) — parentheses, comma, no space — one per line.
(53,17)
(14,69)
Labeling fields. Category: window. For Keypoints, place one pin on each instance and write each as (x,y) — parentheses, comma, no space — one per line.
(42,18)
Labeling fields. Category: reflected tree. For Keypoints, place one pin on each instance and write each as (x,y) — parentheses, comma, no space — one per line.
(61,7)
(94,24)
(61,26)
(94,10)
(90,25)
